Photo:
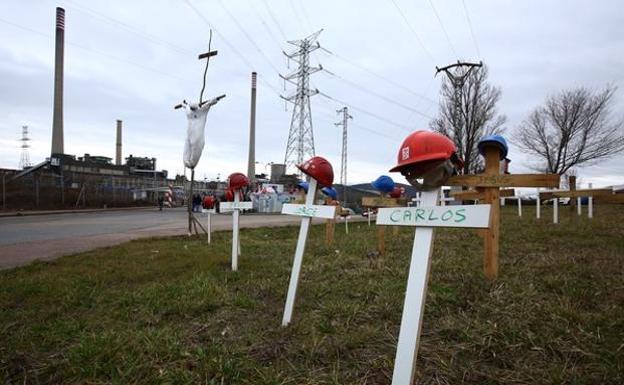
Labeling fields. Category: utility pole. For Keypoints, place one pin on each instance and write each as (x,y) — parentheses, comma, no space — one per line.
(300,143)
(343,160)
(458,78)
(251,159)
(25,157)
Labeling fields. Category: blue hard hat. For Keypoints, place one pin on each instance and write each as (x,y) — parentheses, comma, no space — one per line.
(496,140)
(304,186)
(384,184)
(330,192)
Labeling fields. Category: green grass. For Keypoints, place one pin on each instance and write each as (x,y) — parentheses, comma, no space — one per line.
(169,311)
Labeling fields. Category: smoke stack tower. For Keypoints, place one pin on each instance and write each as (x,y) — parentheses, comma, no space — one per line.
(251,161)
(57,117)
(118,144)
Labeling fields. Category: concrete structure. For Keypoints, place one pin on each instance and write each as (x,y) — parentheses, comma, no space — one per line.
(118,144)
(251,160)
(59,53)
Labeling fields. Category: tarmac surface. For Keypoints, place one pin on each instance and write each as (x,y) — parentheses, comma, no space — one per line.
(24,239)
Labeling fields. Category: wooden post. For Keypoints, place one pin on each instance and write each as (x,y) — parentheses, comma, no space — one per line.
(329,232)
(190,203)
(492,196)
(3,192)
(209,227)
(572,187)
(381,239)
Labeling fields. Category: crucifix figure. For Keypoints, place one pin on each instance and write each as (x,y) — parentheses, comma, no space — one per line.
(196,114)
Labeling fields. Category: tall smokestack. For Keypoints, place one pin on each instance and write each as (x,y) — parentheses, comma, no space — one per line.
(118,144)
(57,117)
(251,162)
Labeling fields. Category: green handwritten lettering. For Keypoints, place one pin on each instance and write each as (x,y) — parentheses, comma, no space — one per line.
(430,216)
(420,214)
(407,215)
(445,217)
(460,213)
(392,217)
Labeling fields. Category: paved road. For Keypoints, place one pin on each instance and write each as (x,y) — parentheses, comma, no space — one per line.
(27,238)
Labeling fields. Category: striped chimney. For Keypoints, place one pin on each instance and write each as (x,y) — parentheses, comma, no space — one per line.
(251,160)
(59,52)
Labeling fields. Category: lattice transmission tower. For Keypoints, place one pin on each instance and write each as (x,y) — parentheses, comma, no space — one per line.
(343,159)
(300,143)
(25,157)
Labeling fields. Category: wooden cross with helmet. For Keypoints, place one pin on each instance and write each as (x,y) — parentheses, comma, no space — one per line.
(428,161)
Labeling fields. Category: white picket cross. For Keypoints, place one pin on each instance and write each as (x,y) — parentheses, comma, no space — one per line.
(556,210)
(578,206)
(590,205)
(425,218)
(307,211)
(519,206)
(209,213)
(538,207)
(235,207)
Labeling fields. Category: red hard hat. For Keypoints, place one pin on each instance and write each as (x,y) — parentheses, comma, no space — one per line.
(395,193)
(320,169)
(422,147)
(237,181)
(209,201)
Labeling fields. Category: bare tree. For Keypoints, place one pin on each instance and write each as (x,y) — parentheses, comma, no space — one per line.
(572,128)
(468,113)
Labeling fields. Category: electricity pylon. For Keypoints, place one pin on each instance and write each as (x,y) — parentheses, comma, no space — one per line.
(300,143)
(343,160)
(25,157)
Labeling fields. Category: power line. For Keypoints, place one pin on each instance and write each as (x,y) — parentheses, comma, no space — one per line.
(265,25)
(387,99)
(474,39)
(364,111)
(305,15)
(330,118)
(268,8)
(409,25)
(240,27)
(111,21)
(443,29)
(112,57)
(230,45)
(389,81)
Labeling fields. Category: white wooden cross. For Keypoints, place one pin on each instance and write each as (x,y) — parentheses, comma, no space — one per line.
(209,213)
(307,211)
(426,217)
(235,206)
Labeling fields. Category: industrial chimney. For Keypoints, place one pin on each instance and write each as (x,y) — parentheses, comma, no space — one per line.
(251,161)
(118,144)
(57,117)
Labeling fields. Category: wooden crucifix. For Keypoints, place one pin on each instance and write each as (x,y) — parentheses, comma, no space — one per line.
(489,184)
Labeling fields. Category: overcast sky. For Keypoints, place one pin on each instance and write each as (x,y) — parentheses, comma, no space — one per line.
(135,60)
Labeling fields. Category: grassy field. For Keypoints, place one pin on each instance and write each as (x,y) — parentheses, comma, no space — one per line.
(169,310)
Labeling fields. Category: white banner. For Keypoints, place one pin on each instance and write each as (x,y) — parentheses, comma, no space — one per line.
(315,211)
(209,211)
(436,216)
(231,206)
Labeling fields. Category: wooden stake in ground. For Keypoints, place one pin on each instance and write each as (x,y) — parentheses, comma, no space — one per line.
(235,207)
(307,211)
(425,218)
(492,197)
